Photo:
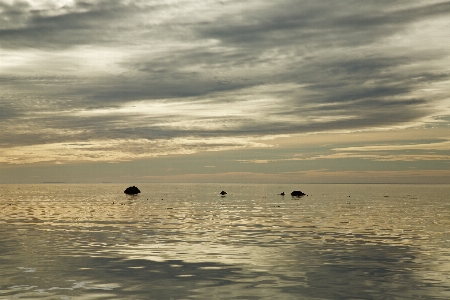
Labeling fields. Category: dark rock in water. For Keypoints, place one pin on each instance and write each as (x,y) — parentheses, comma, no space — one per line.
(282,194)
(132,190)
(297,194)
(223,193)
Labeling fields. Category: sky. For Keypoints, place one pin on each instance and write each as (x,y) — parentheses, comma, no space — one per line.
(286,91)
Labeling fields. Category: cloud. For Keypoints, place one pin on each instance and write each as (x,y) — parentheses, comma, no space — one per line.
(442,146)
(53,26)
(113,150)
(93,71)
(379,157)
(422,151)
(437,151)
(318,24)
(254,161)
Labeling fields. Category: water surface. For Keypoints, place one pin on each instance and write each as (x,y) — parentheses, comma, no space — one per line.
(185,241)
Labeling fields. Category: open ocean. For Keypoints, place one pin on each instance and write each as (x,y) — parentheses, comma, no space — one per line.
(185,241)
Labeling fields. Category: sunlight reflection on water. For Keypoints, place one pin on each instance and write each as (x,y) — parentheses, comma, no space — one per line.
(185,241)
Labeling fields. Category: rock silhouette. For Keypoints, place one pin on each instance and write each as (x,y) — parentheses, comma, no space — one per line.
(297,194)
(132,190)
(223,193)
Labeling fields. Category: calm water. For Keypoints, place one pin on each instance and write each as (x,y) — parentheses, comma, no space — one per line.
(185,241)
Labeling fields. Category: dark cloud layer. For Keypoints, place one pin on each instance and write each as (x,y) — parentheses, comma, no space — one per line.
(309,23)
(56,28)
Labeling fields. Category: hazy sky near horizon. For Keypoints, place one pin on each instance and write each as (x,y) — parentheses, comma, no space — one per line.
(204,90)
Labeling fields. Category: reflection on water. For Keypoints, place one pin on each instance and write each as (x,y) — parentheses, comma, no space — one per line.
(185,241)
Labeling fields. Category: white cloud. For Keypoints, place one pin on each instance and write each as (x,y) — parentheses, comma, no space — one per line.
(443,146)
(119,149)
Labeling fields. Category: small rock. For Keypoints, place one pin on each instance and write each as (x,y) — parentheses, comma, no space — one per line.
(297,194)
(132,190)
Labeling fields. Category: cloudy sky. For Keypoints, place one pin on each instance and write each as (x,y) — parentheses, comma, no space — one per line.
(235,91)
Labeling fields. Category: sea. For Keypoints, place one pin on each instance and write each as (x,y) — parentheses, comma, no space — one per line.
(186,241)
